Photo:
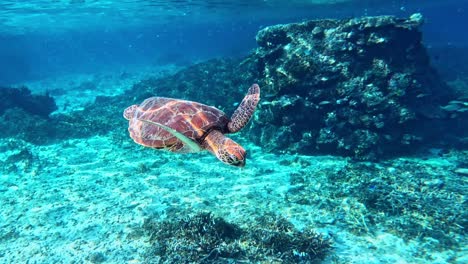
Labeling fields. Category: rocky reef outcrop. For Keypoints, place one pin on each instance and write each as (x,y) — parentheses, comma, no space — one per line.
(360,87)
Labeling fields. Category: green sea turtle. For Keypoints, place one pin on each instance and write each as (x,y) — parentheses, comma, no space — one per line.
(185,126)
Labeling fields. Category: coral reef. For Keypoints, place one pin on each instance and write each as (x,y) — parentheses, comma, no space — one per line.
(360,87)
(204,238)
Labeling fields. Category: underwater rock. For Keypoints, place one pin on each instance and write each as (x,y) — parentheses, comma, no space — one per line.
(363,87)
(204,238)
(96,119)
(41,105)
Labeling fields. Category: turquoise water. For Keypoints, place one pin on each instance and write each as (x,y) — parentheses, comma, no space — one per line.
(357,151)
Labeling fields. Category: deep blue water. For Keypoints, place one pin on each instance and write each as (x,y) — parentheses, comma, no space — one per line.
(39,39)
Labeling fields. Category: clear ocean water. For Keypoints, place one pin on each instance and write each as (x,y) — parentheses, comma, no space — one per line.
(356,142)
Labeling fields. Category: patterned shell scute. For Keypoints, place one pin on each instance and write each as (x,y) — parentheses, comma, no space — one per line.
(190,118)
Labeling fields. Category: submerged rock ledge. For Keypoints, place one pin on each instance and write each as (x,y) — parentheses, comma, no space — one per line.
(361,87)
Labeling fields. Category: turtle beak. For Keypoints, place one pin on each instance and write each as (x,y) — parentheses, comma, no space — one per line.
(239,161)
(236,159)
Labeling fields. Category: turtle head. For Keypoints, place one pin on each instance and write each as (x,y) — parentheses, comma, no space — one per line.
(232,153)
(225,149)
(129,112)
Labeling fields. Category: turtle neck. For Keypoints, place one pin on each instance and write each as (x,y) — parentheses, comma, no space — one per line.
(213,140)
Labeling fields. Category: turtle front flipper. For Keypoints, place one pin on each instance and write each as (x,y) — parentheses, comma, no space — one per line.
(245,110)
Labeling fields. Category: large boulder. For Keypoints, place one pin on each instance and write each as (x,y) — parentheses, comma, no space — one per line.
(361,87)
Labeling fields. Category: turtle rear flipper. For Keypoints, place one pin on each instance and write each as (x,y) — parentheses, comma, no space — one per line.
(245,110)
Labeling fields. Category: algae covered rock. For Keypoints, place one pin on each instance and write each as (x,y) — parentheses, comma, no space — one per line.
(96,119)
(361,87)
